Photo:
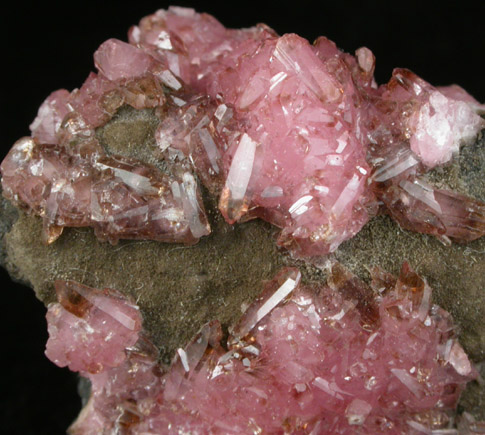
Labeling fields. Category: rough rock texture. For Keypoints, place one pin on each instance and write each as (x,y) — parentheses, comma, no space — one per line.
(9,215)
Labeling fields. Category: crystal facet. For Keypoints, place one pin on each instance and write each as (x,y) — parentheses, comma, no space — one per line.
(90,329)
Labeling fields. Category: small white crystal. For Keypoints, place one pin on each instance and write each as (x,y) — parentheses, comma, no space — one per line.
(241,168)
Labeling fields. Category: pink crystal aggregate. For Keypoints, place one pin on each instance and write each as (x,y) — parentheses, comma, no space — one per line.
(299,135)
(338,358)
(70,181)
(90,329)
(316,128)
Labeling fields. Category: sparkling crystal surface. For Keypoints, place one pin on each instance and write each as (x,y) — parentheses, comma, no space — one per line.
(299,135)
(331,359)
(90,329)
(316,128)
(118,197)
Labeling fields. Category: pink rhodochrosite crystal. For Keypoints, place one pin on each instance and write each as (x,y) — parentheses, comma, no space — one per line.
(299,161)
(339,358)
(297,134)
(90,329)
(255,125)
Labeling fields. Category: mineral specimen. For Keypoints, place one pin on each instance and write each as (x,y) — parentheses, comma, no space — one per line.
(300,360)
(314,120)
(298,135)
(267,127)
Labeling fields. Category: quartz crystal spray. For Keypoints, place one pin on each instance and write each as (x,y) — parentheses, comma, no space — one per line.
(90,329)
(118,197)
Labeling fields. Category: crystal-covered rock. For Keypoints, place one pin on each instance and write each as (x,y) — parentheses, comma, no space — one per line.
(118,197)
(314,125)
(332,359)
(297,134)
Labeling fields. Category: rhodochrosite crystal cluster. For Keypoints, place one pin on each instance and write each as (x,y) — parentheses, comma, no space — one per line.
(297,134)
(90,329)
(334,359)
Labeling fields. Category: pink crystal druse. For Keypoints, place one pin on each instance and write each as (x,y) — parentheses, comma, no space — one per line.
(315,128)
(90,329)
(340,358)
(297,134)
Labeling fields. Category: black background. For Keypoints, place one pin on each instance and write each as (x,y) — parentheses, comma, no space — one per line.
(49,45)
